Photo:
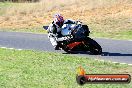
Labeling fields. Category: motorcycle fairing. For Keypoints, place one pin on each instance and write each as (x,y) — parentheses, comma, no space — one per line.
(72,45)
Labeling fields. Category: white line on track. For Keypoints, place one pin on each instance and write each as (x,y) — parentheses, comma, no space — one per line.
(114,62)
(95,59)
(19,49)
(10,48)
(3,47)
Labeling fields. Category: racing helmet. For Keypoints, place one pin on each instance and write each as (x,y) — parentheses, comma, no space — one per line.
(58,20)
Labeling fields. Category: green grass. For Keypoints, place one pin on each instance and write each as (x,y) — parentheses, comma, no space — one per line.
(33,69)
(123,35)
(4,6)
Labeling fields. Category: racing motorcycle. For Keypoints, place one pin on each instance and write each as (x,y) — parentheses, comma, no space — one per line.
(75,37)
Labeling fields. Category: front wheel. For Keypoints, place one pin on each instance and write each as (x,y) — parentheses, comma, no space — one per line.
(93,46)
(66,49)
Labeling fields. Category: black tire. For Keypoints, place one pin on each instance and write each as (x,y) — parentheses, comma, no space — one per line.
(94,47)
(69,51)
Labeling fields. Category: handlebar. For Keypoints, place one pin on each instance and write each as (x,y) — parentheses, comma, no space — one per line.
(45,27)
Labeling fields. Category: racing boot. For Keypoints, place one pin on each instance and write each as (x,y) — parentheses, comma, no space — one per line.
(56,47)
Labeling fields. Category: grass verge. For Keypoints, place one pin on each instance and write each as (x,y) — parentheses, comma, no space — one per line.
(32,69)
(123,35)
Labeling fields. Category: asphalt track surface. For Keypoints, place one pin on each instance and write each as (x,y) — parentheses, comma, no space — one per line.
(113,50)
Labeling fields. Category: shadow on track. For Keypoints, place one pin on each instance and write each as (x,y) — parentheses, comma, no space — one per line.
(114,54)
(103,53)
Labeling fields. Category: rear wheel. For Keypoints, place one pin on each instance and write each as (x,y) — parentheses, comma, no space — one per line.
(93,46)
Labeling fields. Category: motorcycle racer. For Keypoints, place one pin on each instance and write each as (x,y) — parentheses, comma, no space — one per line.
(54,29)
(71,36)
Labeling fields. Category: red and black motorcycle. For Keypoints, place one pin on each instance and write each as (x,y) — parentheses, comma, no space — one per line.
(85,44)
(75,37)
